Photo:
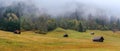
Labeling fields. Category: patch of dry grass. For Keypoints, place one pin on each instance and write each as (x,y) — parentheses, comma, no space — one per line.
(54,41)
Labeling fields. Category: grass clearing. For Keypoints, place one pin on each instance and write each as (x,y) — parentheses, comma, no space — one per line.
(54,41)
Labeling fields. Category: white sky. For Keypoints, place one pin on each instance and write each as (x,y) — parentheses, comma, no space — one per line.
(108,5)
(54,6)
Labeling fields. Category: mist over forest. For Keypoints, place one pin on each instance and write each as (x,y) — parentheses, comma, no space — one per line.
(44,16)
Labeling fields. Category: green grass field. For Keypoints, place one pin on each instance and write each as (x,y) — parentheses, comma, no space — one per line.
(54,41)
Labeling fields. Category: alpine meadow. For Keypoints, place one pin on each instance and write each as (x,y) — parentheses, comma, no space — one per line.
(59,25)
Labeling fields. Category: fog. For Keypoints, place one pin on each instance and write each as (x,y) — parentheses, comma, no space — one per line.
(56,7)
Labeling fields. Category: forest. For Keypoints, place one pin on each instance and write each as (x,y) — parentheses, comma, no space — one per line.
(25,17)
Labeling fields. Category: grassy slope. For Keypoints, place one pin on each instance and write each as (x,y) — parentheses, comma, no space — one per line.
(54,41)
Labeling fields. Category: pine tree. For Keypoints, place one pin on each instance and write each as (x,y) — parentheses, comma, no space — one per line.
(80,27)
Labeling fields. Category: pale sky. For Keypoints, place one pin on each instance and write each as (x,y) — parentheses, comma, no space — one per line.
(108,5)
(54,6)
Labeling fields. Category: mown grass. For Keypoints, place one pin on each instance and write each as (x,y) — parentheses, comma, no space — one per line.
(54,41)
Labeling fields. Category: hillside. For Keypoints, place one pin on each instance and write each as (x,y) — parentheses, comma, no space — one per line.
(54,41)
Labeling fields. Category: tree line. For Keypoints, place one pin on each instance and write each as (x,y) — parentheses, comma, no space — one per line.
(16,19)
